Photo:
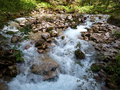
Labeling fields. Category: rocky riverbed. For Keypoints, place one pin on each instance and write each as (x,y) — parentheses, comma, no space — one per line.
(43,32)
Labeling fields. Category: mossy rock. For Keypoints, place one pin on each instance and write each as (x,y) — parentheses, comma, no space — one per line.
(96,67)
(79,54)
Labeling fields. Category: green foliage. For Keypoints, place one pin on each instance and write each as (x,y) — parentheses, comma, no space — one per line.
(23,36)
(16,5)
(18,54)
(45,5)
(117,34)
(10,9)
(96,68)
(26,29)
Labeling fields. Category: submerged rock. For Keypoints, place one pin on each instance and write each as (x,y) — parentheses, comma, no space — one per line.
(14,39)
(46,67)
(27,46)
(79,54)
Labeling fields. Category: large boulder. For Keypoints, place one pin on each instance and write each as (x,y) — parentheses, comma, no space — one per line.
(79,54)
(46,67)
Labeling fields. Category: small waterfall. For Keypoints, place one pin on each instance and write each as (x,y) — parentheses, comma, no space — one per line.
(74,73)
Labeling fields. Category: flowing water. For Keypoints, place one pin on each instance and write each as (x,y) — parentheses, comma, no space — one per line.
(74,73)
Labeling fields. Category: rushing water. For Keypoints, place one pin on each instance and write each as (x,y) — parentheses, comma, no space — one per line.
(74,73)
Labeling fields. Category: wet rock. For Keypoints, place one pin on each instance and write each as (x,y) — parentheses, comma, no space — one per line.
(100,17)
(111,85)
(92,18)
(98,79)
(35,36)
(15,39)
(79,54)
(27,46)
(22,23)
(40,51)
(3,86)
(69,17)
(40,42)
(50,29)
(41,45)
(50,39)
(80,37)
(7,58)
(12,71)
(89,30)
(103,28)
(53,33)
(45,35)
(95,28)
(47,67)
(97,48)
(101,74)
(117,44)
(0,47)
(7,78)
(98,37)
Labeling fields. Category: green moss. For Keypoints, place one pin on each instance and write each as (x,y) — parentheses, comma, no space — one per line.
(79,54)
(96,68)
